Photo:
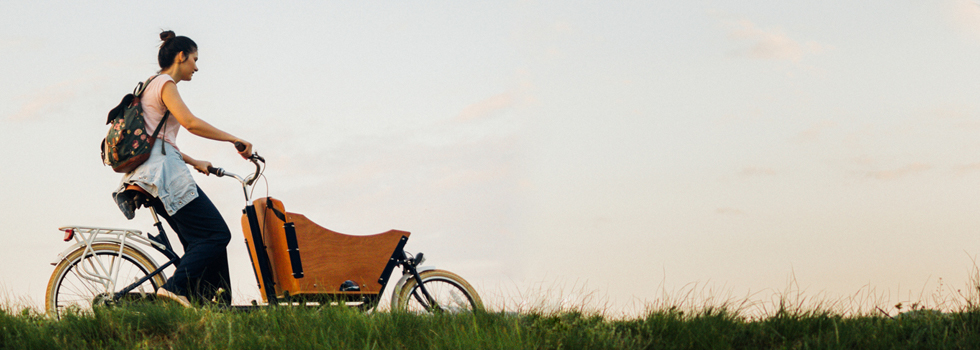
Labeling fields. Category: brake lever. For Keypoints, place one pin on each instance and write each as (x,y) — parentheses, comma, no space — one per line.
(255,158)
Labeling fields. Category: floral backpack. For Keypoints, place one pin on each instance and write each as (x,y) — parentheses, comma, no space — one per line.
(127,145)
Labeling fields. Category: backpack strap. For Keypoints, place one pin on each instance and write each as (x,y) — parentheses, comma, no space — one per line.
(163,123)
(138,91)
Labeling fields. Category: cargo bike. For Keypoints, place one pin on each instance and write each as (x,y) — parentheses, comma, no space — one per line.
(296,262)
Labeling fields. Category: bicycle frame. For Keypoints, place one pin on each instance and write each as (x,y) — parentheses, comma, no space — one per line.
(86,237)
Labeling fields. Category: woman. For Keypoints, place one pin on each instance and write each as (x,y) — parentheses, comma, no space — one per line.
(203,270)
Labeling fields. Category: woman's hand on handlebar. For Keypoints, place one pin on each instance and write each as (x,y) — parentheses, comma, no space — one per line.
(202,166)
(244,148)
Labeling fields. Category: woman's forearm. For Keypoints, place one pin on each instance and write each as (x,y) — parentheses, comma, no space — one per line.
(195,125)
(188,159)
(188,120)
(201,128)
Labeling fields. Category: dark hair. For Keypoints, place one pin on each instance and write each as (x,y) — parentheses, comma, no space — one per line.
(173,44)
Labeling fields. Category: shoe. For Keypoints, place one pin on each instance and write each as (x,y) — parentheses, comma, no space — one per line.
(166,294)
(126,205)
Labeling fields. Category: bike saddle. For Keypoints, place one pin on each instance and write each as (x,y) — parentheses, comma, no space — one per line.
(139,195)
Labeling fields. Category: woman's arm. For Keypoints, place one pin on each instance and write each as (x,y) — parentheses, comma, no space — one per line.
(195,125)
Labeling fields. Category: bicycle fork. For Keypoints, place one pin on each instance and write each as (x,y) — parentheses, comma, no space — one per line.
(409,265)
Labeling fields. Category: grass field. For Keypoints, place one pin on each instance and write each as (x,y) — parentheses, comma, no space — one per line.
(693,318)
(164,326)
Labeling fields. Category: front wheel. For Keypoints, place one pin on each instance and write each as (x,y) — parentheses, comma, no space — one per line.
(450,292)
(86,278)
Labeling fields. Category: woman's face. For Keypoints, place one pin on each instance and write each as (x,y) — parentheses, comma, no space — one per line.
(188,66)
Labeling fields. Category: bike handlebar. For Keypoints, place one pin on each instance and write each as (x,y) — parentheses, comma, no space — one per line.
(255,158)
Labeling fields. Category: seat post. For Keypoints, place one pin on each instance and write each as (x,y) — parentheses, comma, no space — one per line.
(161,238)
(156,219)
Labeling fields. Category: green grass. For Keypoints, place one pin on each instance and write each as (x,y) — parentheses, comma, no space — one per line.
(163,326)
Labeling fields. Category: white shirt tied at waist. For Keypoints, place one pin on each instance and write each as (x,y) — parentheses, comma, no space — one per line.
(163,176)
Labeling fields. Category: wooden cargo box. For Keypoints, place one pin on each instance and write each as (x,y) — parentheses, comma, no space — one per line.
(328,258)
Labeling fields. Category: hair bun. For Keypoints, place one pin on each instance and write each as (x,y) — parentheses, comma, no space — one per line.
(167,35)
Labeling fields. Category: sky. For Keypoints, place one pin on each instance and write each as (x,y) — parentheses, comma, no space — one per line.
(612,153)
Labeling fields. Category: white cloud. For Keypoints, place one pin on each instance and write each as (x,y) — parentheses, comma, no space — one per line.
(729,211)
(487,107)
(21,44)
(965,15)
(815,131)
(562,27)
(771,43)
(756,171)
(966,168)
(900,172)
(51,99)
(8,43)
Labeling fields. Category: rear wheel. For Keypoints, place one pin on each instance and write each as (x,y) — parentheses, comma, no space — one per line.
(451,294)
(83,279)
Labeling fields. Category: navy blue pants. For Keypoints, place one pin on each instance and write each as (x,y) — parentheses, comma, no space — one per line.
(204,267)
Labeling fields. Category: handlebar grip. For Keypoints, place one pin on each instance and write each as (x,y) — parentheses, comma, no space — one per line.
(239,146)
(217,171)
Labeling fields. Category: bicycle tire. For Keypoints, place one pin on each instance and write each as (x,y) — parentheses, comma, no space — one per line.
(451,292)
(67,287)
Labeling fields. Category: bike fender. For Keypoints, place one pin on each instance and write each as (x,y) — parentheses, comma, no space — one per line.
(405,277)
(116,241)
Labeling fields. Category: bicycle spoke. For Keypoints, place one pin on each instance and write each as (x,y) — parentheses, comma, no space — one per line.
(81,283)
(445,292)
(82,280)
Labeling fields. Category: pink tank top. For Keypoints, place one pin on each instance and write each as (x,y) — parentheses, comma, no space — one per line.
(154,109)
